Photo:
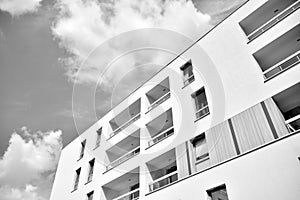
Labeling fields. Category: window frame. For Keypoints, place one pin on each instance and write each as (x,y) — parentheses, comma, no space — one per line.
(203,157)
(217,188)
(76,179)
(82,149)
(98,137)
(194,95)
(90,195)
(91,169)
(187,80)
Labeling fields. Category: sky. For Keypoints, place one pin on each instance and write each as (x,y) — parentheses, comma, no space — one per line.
(46,47)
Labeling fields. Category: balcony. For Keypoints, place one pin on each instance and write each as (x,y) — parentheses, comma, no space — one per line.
(163,170)
(124,150)
(288,102)
(280,55)
(283,65)
(267,16)
(126,187)
(125,118)
(160,128)
(158,94)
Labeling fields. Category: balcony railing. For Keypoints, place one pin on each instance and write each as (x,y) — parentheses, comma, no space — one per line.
(283,65)
(202,112)
(293,123)
(188,80)
(159,101)
(162,181)
(160,136)
(132,195)
(123,158)
(126,124)
(202,158)
(269,24)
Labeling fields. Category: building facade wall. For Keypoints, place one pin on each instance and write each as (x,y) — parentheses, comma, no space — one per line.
(238,97)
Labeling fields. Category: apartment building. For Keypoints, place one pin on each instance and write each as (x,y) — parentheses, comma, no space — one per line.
(221,121)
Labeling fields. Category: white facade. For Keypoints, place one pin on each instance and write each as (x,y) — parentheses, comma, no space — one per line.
(262,164)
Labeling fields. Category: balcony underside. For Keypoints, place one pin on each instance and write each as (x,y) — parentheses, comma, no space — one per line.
(288,102)
(122,185)
(280,54)
(263,14)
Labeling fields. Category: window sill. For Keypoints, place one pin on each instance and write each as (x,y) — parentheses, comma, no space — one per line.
(79,158)
(88,182)
(96,147)
(74,190)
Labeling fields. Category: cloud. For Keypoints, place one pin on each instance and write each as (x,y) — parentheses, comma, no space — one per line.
(19,7)
(83,25)
(27,193)
(28,165)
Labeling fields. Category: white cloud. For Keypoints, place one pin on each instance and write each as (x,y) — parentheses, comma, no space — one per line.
(83,25)
(19,7)
(28,165)
(27,193)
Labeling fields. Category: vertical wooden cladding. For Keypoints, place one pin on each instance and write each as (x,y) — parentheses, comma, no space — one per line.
(276,117)
(183,164)
(258,125)
(220,143)
(251,128)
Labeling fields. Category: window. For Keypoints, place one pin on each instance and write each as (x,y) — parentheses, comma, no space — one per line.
(200,147)
(90,195)
(82,149)
(91,170)
(188,75)
(77,175)
(200,103)
(201,152)
(98,140)
(218,193)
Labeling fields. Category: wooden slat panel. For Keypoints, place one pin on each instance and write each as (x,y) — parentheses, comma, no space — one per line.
(251,128)
(277,117)
(181,160)
(220,143)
